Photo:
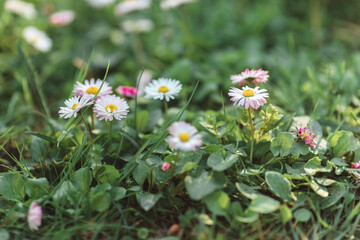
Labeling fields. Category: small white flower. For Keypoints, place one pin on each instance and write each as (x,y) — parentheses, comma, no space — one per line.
(24,9)
(248,97)
(184,137)
(91,88)
(110,107)
(163,88)
(168,4)
(37,38)
(34,216)
(252,75)
(141,25)
(73,105)
(127,6)
(99,3)
(62,18)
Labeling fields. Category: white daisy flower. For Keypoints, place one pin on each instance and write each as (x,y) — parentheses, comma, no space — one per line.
(73,105)
(184,137)
(127,6)
(248,97)
(168,4)
(24,9)
(252,75)
(91,88)
(99,3)
(110,107)
(37,38)
(62,18)
(163,88)
(137,26)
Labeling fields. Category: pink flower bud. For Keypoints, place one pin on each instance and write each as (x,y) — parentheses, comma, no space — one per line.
(126,91)
(34,216)
(165,166)
(356,165)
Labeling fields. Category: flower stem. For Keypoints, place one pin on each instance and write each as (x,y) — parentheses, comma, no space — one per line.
(174,166)
(165,110)
(110,129)
(92,120)
(87,127)
(151,180)
(252,135)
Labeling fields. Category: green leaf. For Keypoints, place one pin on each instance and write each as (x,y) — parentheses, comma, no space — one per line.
(264,204)
(203,185)
(247,217)
(82,179)
(247,191)
(142,120)
(189,166)
(106,174)
(142,233)
(36,188)
(299,149)
(67,191)
(117,193)
(336,193)
(318,189)
(218,163)
(38,149)
(314,165)
(218,203)
(282,144)
(343,142)
(12,186)
(4,234)
(140,174)
(100,201)
(147,200)
(279,185)
(302,215)
(285,213)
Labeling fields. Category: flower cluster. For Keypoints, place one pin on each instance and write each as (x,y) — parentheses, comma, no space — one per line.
(106,106)
(305,135)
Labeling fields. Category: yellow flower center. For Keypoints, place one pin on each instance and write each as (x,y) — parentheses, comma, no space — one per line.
(248,93)
(35,40)
(74,106)
(306,135)
(163,89)
(92,90)
(184,137)
(110,108)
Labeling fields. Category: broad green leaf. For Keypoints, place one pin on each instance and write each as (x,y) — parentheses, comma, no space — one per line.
(297,169)
(117,193)
(247,217)
(100,201)
(314,165)
(285,213)
(218,163)
(218,203)
(38,149)
(82,179)
(142,233)
(147,200)
(12,186)
(264,204)
(279,185)
(142,120)
(106,174)
(282,144)
(302,215)
(67,191)
(343,142)
(36,188)
(203,185)
(336,193)
(299,149)
(189,166)
(140,174)
(318,189)
(4,234)
(247,191)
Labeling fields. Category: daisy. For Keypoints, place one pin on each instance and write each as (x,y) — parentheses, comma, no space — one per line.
(37,38)
(252,75)
(248,97)
(91,88)
(126,91)
(73,105)
(127,6)
(34,216)
(184,137)
(168,4)
(99,3)
(110,107)
(24,9)
(163,88)
(137,26)
(62,18)
(305,134)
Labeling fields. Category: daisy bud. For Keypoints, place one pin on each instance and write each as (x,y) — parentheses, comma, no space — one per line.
(165,166)
(34,216)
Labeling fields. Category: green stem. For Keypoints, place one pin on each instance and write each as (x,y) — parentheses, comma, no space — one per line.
(151,180)
(252,135)
(165,110)
(174,166)
(87,128)
(92,120)
(110,129)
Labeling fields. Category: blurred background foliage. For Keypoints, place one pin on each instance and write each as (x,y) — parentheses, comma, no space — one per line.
(310,49)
